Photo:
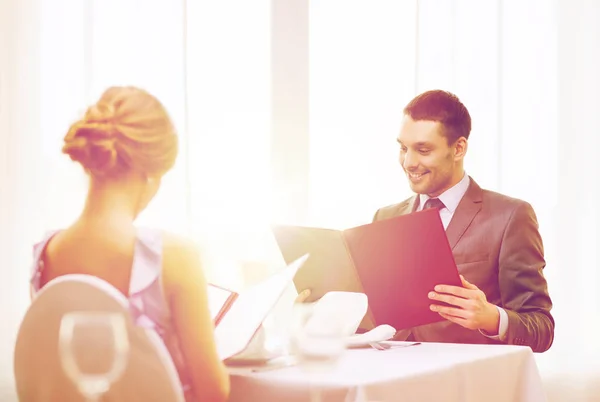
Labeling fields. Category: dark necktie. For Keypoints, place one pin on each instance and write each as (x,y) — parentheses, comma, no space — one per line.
(434,203)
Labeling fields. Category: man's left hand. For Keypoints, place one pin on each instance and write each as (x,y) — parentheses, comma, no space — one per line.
(302,296)
(469,307)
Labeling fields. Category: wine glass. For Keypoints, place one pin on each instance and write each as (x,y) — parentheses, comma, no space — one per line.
(317,346)
(359,394)
(94,348)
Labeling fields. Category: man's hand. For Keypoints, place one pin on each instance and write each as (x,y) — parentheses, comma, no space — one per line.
(302,296)
(470,307)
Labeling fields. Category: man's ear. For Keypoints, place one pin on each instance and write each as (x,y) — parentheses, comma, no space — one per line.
(460,148)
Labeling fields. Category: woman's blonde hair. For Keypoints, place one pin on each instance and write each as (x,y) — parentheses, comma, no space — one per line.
(127,129)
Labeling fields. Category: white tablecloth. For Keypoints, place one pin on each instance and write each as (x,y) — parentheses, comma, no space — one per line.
(426,372)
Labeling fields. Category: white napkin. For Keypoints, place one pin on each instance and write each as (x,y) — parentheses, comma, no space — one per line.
(377,334)
(337,312)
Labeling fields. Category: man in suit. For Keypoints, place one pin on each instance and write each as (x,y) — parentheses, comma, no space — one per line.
(494,238)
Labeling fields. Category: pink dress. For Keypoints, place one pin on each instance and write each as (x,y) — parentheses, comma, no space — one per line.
(147,304)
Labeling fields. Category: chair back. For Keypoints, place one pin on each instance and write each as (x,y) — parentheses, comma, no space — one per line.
(149,374)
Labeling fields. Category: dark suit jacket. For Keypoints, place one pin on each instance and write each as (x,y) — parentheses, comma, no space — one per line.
(496,246)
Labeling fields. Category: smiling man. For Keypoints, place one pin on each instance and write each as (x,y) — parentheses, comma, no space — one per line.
(494,238)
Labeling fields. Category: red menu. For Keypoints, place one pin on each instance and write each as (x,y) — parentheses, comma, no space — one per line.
(395,262)
(220,301)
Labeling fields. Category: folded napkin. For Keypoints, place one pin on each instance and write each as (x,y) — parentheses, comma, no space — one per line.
(378,334)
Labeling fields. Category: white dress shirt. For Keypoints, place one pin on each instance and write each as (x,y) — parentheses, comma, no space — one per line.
(451,198)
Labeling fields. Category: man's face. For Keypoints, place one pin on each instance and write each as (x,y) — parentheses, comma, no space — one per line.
(431,164)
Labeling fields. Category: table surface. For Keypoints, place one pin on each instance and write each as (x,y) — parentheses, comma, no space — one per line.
(428,371)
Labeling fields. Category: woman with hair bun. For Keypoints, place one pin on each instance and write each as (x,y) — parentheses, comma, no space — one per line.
(126,142)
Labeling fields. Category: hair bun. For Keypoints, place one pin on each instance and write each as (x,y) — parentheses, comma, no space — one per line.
(126,130)
(94,146)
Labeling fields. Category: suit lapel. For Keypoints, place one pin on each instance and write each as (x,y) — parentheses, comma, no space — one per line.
(468,207)
(407,206)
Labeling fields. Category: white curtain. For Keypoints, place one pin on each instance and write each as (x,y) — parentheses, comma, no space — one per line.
(21,150)
(576,223)
(527,71)
(362,70)
(229,104)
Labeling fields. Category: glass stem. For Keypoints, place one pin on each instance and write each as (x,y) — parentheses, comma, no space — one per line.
(93,398)
(315,393)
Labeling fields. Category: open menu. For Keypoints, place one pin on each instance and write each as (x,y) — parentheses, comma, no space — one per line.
(240,316)
(395,262)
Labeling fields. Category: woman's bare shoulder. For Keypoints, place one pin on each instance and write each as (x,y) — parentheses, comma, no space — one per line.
(181,258)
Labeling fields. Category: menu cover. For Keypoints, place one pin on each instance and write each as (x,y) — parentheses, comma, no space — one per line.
(395,262)
(220,301)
